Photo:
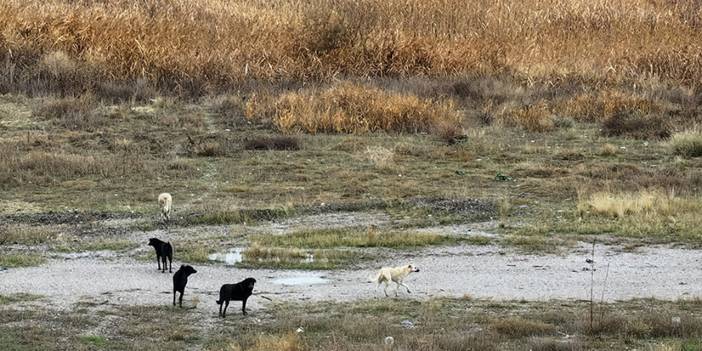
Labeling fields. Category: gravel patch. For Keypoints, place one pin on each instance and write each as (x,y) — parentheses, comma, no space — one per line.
(476,271)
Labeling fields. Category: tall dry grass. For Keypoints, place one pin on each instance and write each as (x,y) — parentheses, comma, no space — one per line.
(357,108)
(199,46)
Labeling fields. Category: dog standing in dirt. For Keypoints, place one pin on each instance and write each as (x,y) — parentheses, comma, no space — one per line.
(395,274)
(163,250)
(180,280)
(235,292)
(165,202)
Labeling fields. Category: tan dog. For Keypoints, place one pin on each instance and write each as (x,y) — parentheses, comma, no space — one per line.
(165,201)
(395,274)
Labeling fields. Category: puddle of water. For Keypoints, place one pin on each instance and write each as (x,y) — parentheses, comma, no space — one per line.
(235,256)
(230,258)
(301,279)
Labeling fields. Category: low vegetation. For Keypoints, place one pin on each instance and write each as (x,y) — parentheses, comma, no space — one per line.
(15,298)
(256,256)
(351,237)
(100,244)
(17,260)
(358,109)
(687,143)
(437,324)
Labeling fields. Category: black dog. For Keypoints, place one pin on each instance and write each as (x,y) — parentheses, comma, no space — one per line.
(235,292)
(180,279)
(163,250)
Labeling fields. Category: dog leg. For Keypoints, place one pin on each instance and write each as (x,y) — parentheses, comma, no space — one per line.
(406,287)
(170,264)
(158,262)
(243,306)
(163,258)
(385,289)
(180,300)
(174,293)
(220,309)
(226,304)
(397,287)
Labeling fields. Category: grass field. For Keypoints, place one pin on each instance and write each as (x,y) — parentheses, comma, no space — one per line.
(440,324)
(332,134)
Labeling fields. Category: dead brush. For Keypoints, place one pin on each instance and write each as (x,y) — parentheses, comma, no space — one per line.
(355,108)
(533,118)
(278,142)
(73,113)
(634,125)
(181,46)
(380,157)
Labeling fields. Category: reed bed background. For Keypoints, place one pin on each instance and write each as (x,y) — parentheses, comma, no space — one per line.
(196,47)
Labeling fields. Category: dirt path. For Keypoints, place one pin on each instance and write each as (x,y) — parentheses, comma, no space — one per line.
(477,271)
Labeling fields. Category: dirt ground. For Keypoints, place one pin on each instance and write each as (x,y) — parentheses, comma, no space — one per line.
(488,272)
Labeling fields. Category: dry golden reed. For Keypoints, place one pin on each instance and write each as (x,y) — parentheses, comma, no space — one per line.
(357,108)
(197,46)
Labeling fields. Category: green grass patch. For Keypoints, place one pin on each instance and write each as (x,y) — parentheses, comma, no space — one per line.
(687,143)
(20,297)
(293,258)
(93,340)
(27,235)
(192,253)
(96,245)
(239,216)
(15,260)
(439,324)
(479,240)
(351,237)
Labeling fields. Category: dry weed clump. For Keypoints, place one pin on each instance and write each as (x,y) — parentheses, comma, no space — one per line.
(619,205)
(634,125)
(272,143)
(197,47)
(533,118)
(607,103)
(286,342)
(356,108)
(70,112)
(687,143)
(380,157)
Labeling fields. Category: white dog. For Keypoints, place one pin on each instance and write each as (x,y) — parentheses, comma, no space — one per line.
(395,274)
(165,201)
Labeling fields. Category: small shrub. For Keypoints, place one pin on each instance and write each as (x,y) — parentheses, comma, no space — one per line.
(287,342)
(380,157)
(70,112)
(519,327)
(553,344)
(563,122)
(210,149)
(272,143)
(608,150)
(636,126)
(687,143)
(533,118)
